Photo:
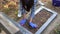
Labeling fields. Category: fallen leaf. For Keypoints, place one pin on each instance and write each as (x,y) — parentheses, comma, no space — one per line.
(5,6)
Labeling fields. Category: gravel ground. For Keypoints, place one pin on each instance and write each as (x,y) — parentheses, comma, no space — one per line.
(48,4)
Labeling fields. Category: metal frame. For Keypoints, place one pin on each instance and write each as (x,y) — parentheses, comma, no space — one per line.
(54,14)
(48,21)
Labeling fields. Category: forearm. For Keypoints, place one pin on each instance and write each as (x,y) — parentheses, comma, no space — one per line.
(19,9)
(33,9)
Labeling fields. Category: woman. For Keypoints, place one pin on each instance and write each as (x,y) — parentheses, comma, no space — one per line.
(26,5)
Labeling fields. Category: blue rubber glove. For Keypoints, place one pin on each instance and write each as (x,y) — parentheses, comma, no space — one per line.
(22,22)
(33,25)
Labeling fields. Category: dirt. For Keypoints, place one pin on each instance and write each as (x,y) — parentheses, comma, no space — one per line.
(2,32)
(39,19)
(10,8)
(56,30)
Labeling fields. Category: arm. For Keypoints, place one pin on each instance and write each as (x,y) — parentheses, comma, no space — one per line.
(33,9)
(19,9)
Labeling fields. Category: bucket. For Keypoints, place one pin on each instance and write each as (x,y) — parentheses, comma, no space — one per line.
(56,3)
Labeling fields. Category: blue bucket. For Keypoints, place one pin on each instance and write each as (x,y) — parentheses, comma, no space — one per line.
(56,3)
